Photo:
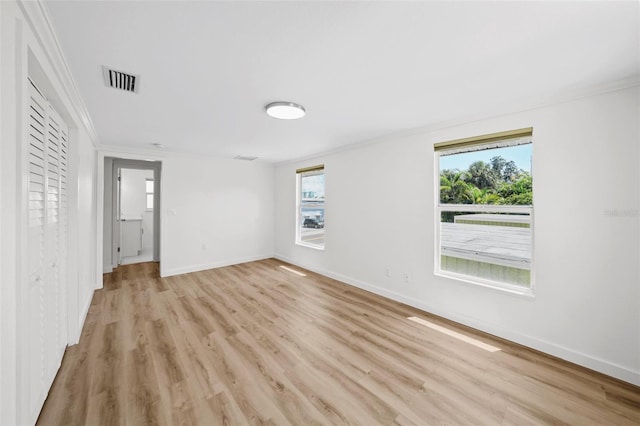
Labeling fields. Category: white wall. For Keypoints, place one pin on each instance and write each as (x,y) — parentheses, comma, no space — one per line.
(86,224)
(147,226)
(133,192)
(27,46)
(134,201)
(380,213)
(215,212)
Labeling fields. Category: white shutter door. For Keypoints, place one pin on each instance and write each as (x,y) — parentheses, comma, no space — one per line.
(52,248)
(62,227)
(45,308)
(37,187)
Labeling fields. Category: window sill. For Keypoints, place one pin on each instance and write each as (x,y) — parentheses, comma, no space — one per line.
(312,246)
(512,290)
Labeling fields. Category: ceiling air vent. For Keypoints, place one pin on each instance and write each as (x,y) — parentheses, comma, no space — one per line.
(244,157)
(121,80)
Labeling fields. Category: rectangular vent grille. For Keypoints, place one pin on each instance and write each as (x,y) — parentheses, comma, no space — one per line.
(244,157)
(121,80)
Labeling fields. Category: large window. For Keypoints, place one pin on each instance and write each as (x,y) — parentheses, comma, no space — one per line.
(484,210)
(310,202)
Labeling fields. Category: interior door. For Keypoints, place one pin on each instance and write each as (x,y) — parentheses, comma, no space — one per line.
(34,332)
(44,309)
(54,260)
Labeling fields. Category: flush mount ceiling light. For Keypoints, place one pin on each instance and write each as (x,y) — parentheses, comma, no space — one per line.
(285,110)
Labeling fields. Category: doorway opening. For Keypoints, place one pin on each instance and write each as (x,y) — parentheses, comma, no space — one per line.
(132,212)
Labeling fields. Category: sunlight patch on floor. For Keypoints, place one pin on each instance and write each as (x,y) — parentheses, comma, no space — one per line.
(293,271)
(457,335)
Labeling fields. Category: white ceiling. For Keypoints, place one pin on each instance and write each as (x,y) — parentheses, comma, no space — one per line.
(361,69)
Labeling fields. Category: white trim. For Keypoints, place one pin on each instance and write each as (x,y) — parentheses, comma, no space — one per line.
(605,367)
(27,34)
(507,288)
(100,267)
(8,285)
(484,208)
(147,193)
(142,153)
(311,246)
(82,318)
(511,290)
(36,15)
(308,205)
(507,109)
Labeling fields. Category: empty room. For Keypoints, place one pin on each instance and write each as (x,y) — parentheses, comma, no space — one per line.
(319,212)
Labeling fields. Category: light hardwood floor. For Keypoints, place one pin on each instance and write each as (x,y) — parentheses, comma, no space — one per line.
(255,343)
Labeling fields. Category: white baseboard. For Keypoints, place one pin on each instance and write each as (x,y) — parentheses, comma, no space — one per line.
(73,340)
(212,265)
(585,360)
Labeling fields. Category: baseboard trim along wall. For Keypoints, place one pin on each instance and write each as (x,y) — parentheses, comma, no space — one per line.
(567,354)
(73,340)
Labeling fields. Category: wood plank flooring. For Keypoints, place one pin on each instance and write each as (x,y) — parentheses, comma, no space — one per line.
(257,344)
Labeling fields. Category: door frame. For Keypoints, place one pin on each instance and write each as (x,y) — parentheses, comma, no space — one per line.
(121,163)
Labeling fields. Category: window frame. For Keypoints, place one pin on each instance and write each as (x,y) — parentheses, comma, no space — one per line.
(300,173)
(496,140)
(147,193)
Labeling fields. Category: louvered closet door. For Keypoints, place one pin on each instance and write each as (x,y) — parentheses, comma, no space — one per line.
(37,186)
(52,242)
(63,230)
(47,154)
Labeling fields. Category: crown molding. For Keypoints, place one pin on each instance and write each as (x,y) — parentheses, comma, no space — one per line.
(36,16)
(568,95)
(163,154)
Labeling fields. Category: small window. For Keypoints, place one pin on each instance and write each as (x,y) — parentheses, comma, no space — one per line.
(310,210)
(485,209)
(149,189)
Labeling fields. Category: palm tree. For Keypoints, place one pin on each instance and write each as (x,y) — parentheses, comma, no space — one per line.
(481,175)
(519,192)
(454,189)
(484,196)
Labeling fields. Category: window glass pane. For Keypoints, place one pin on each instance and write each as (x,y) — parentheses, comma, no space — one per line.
(487,238)
(312,225)
(311,208)
(492,246)
(149,186)
(312,188)
(490,176)
(149,201)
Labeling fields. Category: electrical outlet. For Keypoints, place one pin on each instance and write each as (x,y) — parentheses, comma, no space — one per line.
(405,277)
(387,272)
(204,247)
